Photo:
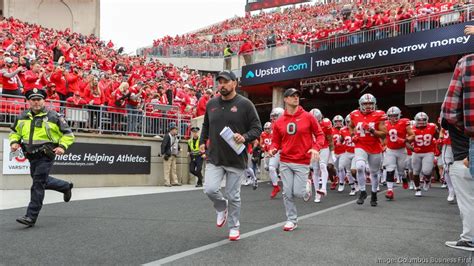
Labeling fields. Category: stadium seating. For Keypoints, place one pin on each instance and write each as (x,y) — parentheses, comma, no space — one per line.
(304,25)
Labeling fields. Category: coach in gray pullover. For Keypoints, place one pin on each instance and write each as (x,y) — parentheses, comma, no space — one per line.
(238,113)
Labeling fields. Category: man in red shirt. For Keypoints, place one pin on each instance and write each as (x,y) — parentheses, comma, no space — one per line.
(339,149)
(367,129)
(10,81)
(246,51)
(35,78)
(298,136)
(266,142)
(399,133)
(76,101)
(201,106)
(59,80)
(320,167)
(423,151)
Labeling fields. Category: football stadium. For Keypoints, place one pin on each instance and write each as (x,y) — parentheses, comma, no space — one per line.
(293,132)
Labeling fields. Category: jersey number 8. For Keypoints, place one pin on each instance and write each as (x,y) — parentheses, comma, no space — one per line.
(393,135)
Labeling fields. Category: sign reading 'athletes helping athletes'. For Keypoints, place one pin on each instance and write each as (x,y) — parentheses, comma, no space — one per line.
(441,42)
(87,158)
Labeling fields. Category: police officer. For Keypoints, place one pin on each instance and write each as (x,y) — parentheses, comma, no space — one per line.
(228,53)
(196,157)
(42,134)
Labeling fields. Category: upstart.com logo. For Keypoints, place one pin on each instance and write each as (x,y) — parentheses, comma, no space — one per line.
(260,73)
(250,75)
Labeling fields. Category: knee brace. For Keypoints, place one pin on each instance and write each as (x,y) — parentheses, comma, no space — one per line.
(390,176)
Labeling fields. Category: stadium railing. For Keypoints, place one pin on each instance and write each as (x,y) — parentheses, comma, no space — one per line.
(152,120)
(402,27)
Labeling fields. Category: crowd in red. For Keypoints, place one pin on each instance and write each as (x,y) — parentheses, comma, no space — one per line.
(85,71)
(310,22)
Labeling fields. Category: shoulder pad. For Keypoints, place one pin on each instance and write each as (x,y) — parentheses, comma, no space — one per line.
(405,121)
(380,114)
(355,112)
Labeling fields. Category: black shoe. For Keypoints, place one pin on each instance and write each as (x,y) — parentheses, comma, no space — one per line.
(26,221)
(362,197)
(68,193)
(198,185)
(176,185)
(373,199)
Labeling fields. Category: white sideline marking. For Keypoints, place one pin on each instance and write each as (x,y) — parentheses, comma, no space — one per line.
(10,199)
(243,236)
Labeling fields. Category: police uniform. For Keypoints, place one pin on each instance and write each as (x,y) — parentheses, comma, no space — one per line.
(38,134)
(195,163)
(228,58)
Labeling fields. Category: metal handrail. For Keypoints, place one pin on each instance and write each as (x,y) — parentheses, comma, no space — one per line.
(331,42)
(393,29)
(151,120)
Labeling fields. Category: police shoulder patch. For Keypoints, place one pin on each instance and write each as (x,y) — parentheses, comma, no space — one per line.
(61,119)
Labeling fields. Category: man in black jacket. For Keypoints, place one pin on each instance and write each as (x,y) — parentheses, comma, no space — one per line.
(238,113)
(169,150)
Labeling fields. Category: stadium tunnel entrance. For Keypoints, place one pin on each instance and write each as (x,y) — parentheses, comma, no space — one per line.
(392,86)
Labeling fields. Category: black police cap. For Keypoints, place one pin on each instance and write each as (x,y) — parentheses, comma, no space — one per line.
(35,94)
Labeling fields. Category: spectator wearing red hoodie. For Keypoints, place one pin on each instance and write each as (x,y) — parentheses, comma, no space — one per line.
(183,96)
(298,137)
(59,80)
(246,51)
(95,102)
(51,92)
(35,78)
(73,82)
(201,107)
(118,103)
(76,101)
(73,103)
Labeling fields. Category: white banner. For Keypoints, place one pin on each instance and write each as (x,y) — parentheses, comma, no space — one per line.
(14,163)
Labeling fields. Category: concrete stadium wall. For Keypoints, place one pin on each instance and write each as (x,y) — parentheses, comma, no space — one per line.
(155,178)
(79,15)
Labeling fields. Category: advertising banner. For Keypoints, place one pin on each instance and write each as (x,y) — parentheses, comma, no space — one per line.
(441,42)
(87,158)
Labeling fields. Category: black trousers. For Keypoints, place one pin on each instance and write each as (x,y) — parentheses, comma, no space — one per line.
(195,167)
(39,170)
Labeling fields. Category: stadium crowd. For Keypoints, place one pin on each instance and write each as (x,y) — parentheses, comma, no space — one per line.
(85,72)
(305,24)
